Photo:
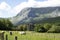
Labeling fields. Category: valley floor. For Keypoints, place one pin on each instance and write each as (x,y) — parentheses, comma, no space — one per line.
(31,36)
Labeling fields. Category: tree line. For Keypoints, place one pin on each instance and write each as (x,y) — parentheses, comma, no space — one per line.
(46,27)
(5,24)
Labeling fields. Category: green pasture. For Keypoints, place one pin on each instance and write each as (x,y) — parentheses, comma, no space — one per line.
(32,36)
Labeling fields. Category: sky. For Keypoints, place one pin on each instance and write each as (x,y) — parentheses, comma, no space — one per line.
(10,8)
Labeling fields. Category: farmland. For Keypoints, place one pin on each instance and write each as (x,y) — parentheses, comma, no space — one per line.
(32,36)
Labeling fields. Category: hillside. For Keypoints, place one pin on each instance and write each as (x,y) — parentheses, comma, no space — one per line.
(33,15)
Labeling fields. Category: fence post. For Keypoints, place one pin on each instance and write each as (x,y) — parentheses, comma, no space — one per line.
(2,35)
(6,37)
(15,37)
(10,33)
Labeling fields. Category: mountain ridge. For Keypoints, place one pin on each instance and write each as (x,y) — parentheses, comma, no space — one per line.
(28,15)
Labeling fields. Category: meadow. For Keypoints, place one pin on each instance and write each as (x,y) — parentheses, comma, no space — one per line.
(30,35)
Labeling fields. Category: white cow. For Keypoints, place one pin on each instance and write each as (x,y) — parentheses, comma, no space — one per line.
(22,32)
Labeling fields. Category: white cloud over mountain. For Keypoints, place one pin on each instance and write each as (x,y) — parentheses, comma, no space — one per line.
(31,3)
(4,6)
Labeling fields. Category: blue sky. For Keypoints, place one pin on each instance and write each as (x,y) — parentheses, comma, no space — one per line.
(10,8)
(12,2)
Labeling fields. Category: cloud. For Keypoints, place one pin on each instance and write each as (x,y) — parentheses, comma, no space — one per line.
(0,14)
(4,6)
(23,5)
(5,10)
(48,3)
(31,3)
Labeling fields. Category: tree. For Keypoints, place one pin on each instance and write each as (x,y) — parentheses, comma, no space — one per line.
(30,27)
(22,27)
(5,24)
(9,24)
(47,26)
(39,28)
(54,29)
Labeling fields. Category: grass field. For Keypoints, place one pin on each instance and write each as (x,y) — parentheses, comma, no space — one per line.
(32,36)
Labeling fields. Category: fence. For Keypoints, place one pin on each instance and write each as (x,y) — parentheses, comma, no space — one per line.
(2,36)
(30,36)
(14,39)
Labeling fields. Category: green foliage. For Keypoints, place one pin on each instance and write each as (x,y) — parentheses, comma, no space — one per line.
(47,26)
(5,24)
(54,29)
(22,27)
(39,28)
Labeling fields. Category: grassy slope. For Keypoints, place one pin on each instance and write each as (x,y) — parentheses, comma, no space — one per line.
(33,36)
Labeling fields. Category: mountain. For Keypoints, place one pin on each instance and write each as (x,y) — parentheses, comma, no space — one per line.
(36,15)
